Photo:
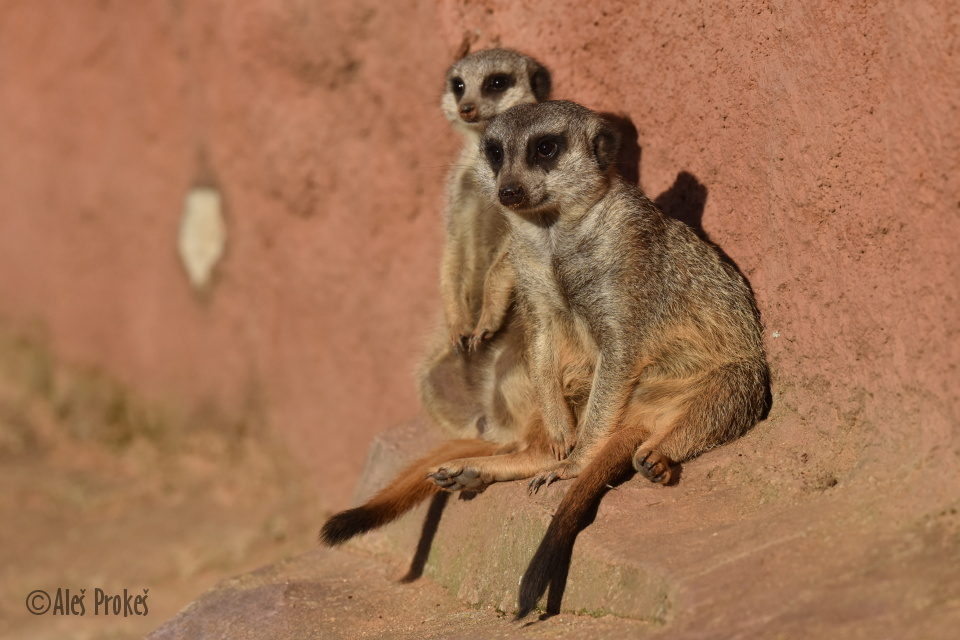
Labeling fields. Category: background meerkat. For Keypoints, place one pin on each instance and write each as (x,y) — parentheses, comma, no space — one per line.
(454,379)
(644,345)
(465,388)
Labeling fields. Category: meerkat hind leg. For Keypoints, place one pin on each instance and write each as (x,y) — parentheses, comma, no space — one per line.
(476,474)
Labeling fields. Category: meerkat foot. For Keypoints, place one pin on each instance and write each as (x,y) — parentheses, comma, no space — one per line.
(478,338)
(454,477)
(460,332)
(564,470)
(487,327)
(460,341)
(561,447)
(654,466)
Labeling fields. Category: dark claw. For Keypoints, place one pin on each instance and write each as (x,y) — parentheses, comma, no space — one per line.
(553,477)
(535,485)
(477,340)
(441,480)
(658,478)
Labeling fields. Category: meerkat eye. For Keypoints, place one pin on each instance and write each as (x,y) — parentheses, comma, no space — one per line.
(457,86)
(546,149)
(497,82)
(494,153)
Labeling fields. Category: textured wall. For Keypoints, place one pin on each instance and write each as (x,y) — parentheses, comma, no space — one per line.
(820,143)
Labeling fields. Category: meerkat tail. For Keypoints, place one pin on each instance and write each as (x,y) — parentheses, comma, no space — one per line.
(551,560)
(407,490)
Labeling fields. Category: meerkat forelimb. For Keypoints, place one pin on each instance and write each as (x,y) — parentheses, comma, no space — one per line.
(498,288)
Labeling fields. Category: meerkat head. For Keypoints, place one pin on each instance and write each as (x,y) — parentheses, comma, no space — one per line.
(488,82)
(554,157)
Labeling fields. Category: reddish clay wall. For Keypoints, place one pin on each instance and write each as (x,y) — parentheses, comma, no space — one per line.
(825,136)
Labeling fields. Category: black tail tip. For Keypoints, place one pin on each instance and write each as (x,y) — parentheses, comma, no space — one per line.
(522,613)
(532,587)
(345,525)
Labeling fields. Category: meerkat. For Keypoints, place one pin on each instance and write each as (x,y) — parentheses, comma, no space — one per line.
(465,388)
(645,347)
(476,284)
(479,87)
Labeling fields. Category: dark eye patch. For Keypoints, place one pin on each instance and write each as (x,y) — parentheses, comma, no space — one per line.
(544,151)
(457,85)
(496,83)
(493,150)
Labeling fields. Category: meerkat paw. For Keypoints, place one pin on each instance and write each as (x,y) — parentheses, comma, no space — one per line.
(562,445)
(487,327)
(478,337)
(460,325)
(457,477)
(654,466)
(561,471)
(460,337)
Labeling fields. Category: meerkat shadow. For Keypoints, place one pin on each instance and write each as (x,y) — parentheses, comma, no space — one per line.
(685,200)
(561,567)
(430,524)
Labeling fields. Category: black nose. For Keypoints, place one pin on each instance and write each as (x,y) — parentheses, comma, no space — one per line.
(511,194)
(468,111)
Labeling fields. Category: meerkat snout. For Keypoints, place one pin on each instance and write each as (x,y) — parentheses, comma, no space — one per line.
(511,194)
(468,112)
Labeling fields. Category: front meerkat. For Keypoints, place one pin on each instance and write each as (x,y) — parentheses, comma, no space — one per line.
(644,345)
(456,379)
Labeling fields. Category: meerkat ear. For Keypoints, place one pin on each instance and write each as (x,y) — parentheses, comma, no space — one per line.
(464,49)
(606,146)
(540,83)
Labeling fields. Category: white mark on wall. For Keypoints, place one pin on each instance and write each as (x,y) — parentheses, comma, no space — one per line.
(203,235)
